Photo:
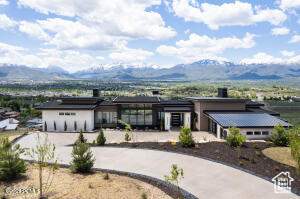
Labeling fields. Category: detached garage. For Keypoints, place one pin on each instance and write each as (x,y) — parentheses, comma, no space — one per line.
(252,125)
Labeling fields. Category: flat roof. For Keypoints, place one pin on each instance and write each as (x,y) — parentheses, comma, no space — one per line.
(56,105)
(247,120)
(136,99)
(177,109)
(217,99)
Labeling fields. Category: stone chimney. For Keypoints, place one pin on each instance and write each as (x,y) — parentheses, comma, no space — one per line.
(155,93)
(95,92)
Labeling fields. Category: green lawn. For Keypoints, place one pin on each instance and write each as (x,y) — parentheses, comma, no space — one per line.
(288,110)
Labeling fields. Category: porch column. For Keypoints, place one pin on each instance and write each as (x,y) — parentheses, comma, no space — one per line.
(187,119)
(167,120)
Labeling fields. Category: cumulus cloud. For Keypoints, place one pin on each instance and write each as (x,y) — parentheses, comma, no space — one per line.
(203,47)
(4,2)
(295,39)
(101,24)
(289,4)
(280,31)
(6,22)
(227,14)
(70,60)
(287,53)
(264,58)
(34,30)
(128,55)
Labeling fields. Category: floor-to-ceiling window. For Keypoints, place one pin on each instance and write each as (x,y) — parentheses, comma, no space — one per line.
(137,114)
(105,117)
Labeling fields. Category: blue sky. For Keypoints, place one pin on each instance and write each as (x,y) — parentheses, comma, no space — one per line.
(76,34)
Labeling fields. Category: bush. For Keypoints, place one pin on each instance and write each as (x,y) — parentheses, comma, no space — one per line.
(144,195)
(186,137)
(280,137)
(127,137)
(101,138)
(65,126)
(235,139)
(81,138)
(11,165)
(295,147)
(83,160)
(255,146)
(106,176)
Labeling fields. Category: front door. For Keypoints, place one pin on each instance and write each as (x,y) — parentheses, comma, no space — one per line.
(175,119)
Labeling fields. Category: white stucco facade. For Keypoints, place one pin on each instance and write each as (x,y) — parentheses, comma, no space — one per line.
(258,136)
(70,116)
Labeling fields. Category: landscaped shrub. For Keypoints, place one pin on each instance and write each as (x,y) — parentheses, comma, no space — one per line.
(75,126)
(128,130)
(54,126)
(11,165)
(82,158)
(81,138)
(235,139)
(84,126)
(45,126)
(106,176)
(280,137)
(255,146)
(186,137)
(176,176)
(295,146)
(101,138)
(65,126)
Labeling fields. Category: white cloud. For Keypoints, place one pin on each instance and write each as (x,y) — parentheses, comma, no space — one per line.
(100,58)
(280,31)
(187,31)
(227,14)
(295,39)
(70,60)
(4,2)
(34,30)
(263,58)
(101,24)
(6,22)
(129,55)
(289,4)
(203,47)
(287,53)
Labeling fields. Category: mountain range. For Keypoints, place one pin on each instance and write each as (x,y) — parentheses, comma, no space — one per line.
(200,70)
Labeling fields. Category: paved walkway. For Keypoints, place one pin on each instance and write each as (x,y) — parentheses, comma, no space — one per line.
(204,179)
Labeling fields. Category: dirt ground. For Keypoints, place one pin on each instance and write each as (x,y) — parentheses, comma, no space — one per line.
(90,186)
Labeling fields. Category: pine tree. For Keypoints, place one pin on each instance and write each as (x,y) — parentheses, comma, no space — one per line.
(101,138)
(65,126)
(82,158)
(81,138)
(75,126)
(54,126)
(45,126)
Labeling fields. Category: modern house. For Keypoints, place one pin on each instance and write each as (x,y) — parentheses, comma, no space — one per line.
(214,114)
(10,124)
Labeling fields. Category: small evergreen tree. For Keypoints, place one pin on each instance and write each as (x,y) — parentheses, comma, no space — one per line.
(54,126)
(65,126)
(81,138)
(295,146)
(11,165)
(75,126)
(176,176)
(85,126)
(82,158)
(186,137)
(45,126)
(235,139)
(101,138)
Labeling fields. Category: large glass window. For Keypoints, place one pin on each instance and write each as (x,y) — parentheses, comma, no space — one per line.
(103,117)
(137,114)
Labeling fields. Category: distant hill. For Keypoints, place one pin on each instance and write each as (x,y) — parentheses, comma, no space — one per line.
(200,70)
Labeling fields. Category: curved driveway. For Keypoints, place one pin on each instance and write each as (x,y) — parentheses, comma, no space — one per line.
(203,178)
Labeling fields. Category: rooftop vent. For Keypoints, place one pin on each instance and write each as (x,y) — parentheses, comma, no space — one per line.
(222,92)
(155,93)
(95,92)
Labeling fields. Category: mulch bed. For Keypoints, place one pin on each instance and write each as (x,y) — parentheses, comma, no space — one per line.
(251,156)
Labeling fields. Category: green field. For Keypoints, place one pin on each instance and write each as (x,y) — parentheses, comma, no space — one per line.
(288,110)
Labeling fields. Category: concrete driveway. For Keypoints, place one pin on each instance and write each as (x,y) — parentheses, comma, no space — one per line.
(204,179)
